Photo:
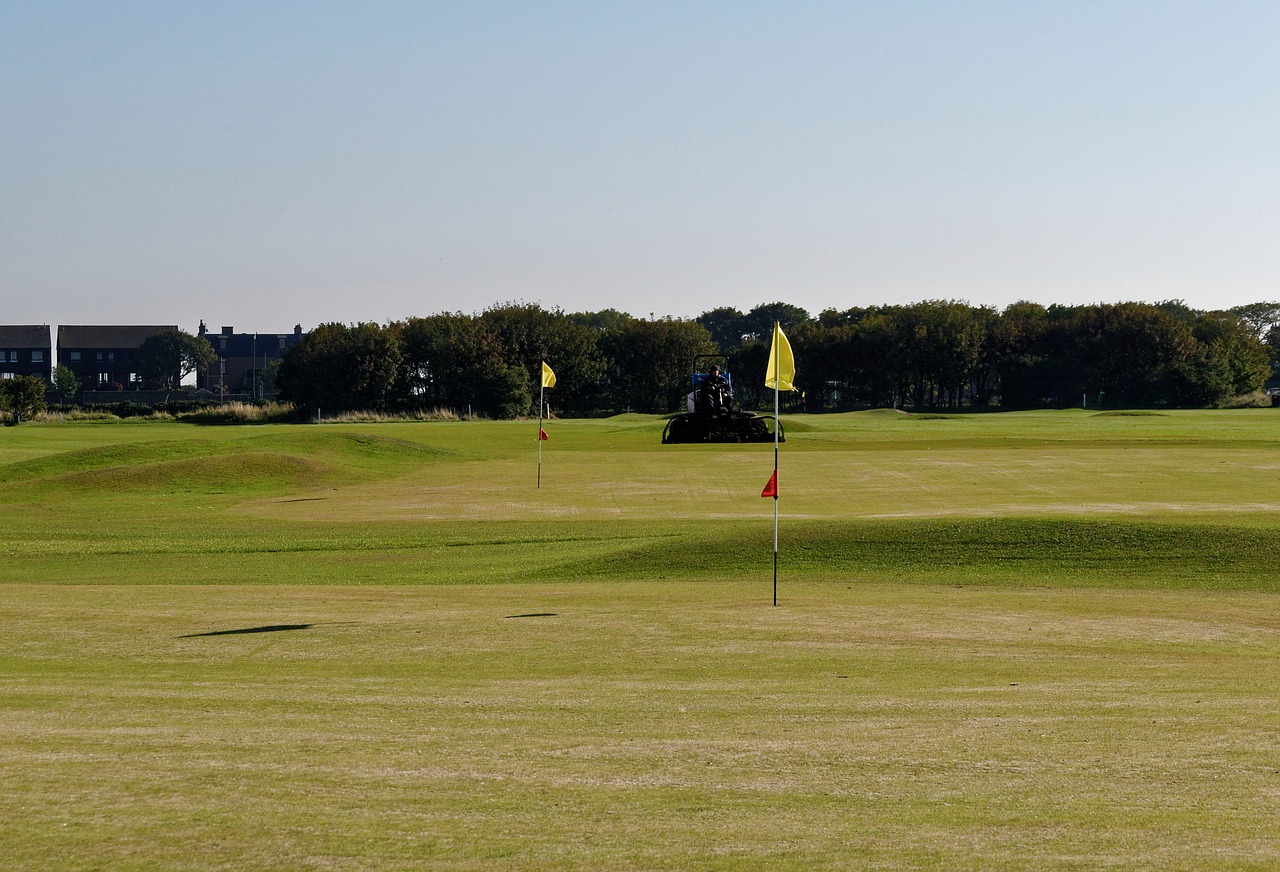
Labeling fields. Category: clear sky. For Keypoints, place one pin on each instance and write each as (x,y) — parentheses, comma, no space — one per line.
(262,164)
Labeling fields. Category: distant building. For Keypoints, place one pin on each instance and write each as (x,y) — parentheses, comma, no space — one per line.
(106,358)
(246,361)
(26,350)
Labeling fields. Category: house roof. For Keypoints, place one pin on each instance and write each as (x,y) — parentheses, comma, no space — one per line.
(253,344)
(93,336)
(25,336)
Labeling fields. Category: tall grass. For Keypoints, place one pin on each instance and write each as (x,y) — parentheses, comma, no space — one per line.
(76,415)
(284,413)
(241,413)
(368,417)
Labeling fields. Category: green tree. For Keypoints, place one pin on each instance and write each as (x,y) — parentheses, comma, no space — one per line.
(344,368)
(167,358)
(1261,317)
(602,321)
(845,318)
(758,323)
(651,362)
(451,361)
(65,382)
(502,390)
(1133,354)
(1235,341)
(1017,349)
(748,363)
(270,373)
(1272,342)
(23,396)
(527,334)
(939,349)
(725,326)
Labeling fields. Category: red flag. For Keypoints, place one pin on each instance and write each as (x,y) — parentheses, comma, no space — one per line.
(542,435)
(771,489)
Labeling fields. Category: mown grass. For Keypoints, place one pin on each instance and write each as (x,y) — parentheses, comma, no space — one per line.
(1176,500)
(637,725)
(1043,640)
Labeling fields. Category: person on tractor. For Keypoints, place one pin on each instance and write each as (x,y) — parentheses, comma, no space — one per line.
(715,393)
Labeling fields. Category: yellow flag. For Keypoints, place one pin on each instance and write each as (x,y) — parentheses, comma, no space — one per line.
(782,363)
(548,377)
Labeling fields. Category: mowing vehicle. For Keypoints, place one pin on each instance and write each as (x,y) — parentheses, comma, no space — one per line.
(711,416)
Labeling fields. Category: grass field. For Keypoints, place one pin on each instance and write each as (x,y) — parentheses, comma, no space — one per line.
(1040,640)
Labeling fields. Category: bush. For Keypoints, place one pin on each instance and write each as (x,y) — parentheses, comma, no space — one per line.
(23,396)
(1252,400)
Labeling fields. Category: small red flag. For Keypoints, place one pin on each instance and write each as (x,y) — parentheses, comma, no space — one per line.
(542,435)
(771,489)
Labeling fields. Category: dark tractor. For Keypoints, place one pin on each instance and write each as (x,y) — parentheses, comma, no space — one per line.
(711,416)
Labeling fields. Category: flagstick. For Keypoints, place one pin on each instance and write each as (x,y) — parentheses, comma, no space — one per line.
(775,501)
(777,387)
(541,388)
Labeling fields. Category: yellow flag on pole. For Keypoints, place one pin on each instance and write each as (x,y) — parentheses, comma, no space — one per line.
(548,377)
(782,363)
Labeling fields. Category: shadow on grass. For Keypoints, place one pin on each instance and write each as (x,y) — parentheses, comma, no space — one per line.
(270,628)
(534,615)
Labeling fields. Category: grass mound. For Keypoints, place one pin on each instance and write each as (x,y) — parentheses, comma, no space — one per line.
(290,457)
(129,454)
(1131,413)
(223,473)
(350,447)
(1007,551)
(880,413)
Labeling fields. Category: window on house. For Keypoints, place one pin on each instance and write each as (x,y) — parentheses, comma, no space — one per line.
(222,343)
(133,378)
(104,378)
(75,355)
(99,355)
(111,355)
(13,357)
(37,357)
(4,375)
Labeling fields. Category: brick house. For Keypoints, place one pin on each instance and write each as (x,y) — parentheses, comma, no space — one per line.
(26,350)
(106,358)
(243,358)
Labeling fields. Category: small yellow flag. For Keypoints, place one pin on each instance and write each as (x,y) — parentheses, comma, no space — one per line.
(548,377)
(782,364)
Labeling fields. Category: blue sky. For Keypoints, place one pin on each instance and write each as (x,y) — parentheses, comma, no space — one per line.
(270,163)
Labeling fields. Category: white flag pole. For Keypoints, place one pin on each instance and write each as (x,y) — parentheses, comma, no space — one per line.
(777,386)
(541,387)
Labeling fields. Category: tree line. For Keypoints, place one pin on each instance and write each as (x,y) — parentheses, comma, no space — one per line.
(491,363)
(933,353)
